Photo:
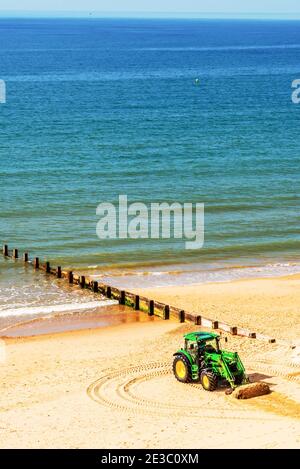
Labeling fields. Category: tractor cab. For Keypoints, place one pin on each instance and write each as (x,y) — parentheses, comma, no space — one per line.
(202,359)
(201,342)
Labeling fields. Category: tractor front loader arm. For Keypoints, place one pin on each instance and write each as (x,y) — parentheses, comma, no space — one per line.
(241,368)
(226,373)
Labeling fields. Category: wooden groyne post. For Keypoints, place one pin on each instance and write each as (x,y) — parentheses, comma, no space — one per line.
(133,300)
(151,308)
(82,281)
(166,312)
(70,277)
(136,302)
(122,298)
(197,320)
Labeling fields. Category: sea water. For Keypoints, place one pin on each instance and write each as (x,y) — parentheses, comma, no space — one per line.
(161,111)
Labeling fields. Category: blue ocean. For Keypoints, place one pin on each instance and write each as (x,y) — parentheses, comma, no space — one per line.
(162,111)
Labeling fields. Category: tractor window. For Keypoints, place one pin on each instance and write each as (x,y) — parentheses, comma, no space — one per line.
(210,348)
(192,348)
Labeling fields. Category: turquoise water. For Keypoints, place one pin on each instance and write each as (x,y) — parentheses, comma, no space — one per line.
(98,108)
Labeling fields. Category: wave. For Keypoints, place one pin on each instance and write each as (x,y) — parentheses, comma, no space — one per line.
(198,274)
(219,48)
(32,310)
(157,49)
(161,74)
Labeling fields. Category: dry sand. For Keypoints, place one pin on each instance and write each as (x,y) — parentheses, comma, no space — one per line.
(113,387)
(269,306)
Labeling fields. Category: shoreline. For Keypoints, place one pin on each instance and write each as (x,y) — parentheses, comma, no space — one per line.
(161,276)
(245,303)
(71,322)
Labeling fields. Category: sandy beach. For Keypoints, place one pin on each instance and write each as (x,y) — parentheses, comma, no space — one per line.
(113,387)
(267,305)
(148,174)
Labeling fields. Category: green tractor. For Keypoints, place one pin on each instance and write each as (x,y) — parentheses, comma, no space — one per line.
(200,360)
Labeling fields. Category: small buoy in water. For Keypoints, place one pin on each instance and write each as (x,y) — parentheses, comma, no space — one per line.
(197,81)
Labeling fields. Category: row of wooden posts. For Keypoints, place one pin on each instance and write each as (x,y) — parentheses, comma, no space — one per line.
(137,302)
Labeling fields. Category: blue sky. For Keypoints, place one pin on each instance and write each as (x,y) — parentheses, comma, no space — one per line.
(262,8)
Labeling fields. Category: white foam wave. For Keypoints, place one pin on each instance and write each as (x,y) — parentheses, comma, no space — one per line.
(167,73)
(220,48)
(35,310)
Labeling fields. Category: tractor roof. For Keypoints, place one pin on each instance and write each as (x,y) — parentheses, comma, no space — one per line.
(196,336)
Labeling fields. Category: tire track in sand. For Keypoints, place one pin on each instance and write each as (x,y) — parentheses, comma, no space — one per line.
(143,389)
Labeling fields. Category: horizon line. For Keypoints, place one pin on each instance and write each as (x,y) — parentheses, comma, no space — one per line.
(31,14)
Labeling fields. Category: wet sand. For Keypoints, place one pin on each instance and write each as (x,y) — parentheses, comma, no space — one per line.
(49,324)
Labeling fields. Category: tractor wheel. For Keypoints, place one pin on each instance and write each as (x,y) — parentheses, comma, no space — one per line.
(182,369)
(209,380)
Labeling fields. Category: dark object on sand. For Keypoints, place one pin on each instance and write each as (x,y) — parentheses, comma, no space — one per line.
(251,390)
